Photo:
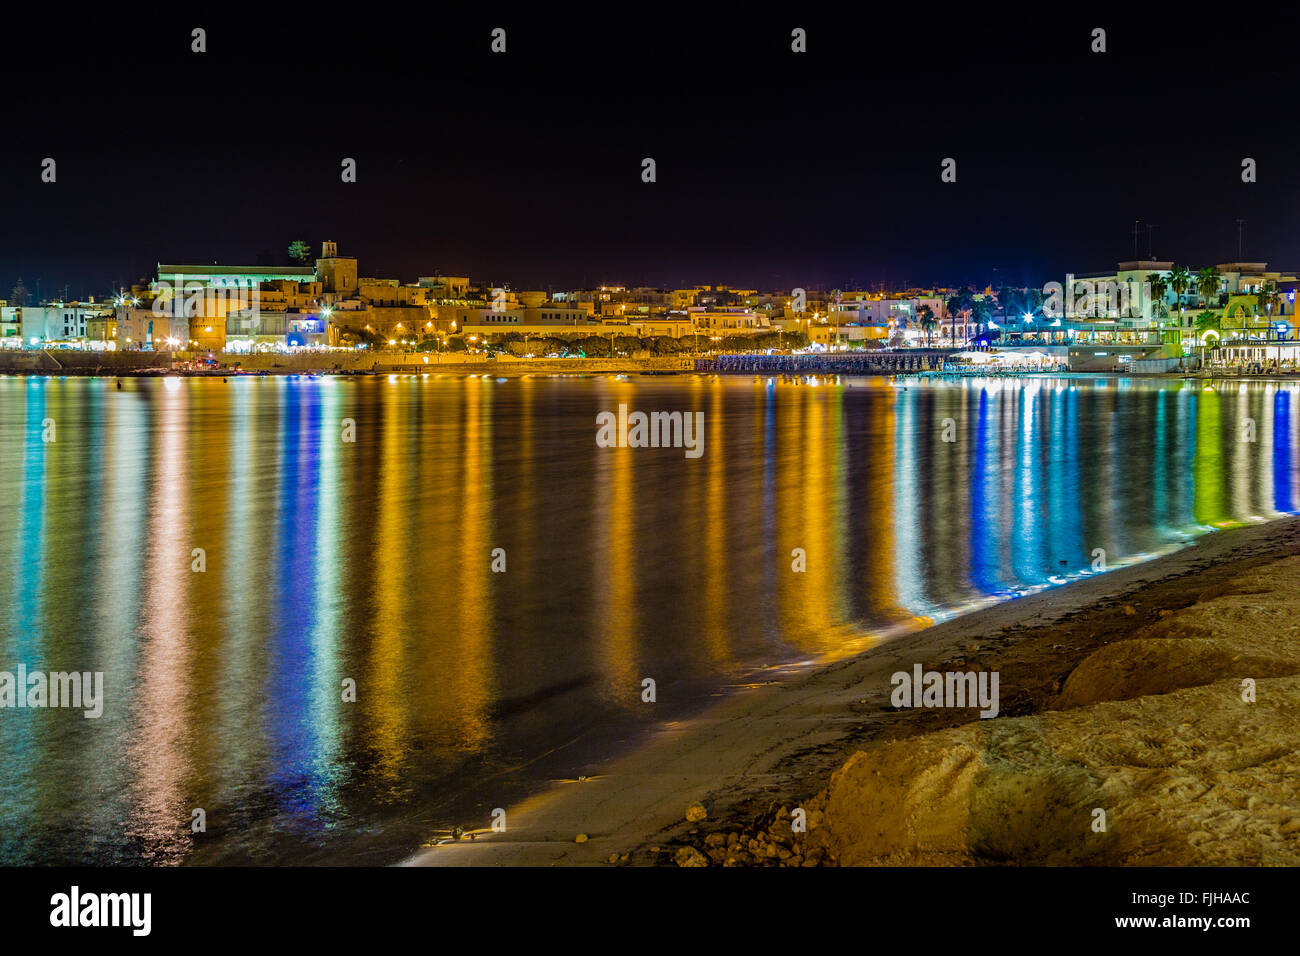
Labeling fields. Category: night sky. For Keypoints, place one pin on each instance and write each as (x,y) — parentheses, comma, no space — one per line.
(774,169)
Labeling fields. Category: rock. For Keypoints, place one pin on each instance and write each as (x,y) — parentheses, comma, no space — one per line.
(613,858)
(696,812)
(689,856)
(580,838)
(1026,789)
(715,839)
(1238,633)
(1129,610)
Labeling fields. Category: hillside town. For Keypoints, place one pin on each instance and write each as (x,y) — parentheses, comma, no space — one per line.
(1145,315)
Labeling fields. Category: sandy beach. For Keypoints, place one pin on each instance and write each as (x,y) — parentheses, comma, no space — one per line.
(812,738)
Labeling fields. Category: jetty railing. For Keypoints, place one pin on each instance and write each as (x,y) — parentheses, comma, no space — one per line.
(833,363)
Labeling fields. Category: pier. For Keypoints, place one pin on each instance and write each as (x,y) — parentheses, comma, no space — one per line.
(829,363)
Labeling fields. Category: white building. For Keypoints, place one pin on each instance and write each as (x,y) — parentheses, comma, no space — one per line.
(58,322)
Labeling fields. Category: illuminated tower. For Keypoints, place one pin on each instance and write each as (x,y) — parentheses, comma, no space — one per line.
(337,273)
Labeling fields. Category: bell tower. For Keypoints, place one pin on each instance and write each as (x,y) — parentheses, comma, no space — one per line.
(338,274)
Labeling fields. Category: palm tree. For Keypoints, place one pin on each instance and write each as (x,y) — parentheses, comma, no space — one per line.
(1033,300)
(1208,282)
(925,316)
(1207,320)
(1008,299)
(956,304)
(1179,280)
(1158,284)
(1267,296)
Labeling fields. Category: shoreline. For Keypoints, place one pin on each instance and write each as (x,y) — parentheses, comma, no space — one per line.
(512,371)
(668,366)
(758,752)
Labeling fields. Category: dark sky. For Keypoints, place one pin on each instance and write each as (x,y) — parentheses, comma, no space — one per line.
(774,169)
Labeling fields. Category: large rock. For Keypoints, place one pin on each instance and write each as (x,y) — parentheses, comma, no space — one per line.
(1248,627)
(1194,777)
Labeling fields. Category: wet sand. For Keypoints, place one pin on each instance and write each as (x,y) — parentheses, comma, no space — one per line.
(778,744)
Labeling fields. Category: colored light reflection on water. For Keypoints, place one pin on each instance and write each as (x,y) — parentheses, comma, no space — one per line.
(328,561)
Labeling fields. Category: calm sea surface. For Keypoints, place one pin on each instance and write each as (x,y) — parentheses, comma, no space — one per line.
(327,561)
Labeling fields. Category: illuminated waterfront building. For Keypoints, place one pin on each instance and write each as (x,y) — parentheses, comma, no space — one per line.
(202,301)
(56,322)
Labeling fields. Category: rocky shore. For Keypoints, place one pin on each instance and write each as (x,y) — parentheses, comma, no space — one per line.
(1162,729)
